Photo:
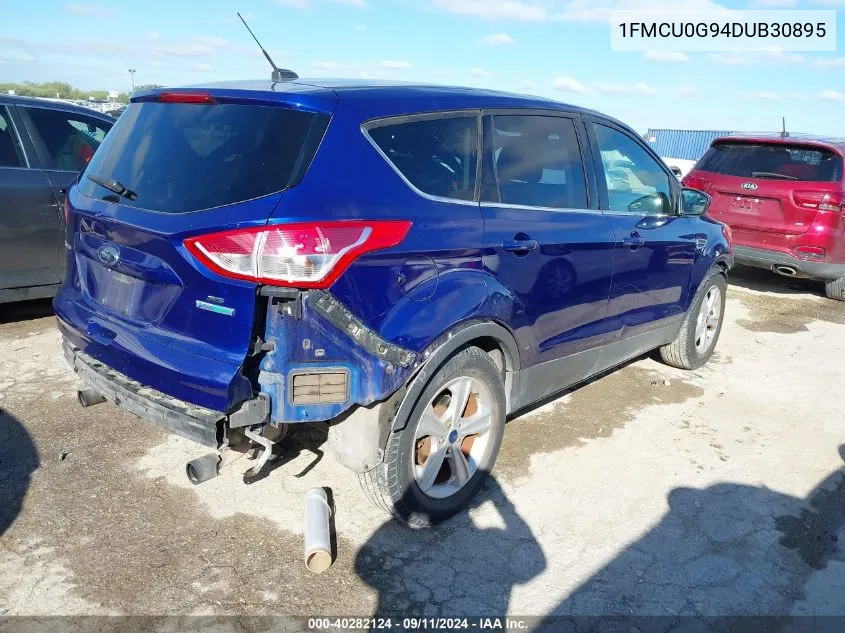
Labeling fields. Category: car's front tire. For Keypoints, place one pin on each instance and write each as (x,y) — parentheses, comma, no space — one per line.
(435,466)
(696,341)
(835,289)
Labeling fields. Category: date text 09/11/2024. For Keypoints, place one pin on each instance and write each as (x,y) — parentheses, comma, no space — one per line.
(416,624)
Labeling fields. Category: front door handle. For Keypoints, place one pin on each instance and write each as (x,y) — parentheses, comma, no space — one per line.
(633,241)
(520,246)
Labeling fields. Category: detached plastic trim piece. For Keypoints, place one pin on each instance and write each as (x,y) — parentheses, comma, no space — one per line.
(339,316)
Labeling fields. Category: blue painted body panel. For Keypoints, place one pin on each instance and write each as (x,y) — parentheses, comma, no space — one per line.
(578,292)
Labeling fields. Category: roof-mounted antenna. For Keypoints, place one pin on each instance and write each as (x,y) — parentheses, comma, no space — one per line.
(784,133)
(279,74)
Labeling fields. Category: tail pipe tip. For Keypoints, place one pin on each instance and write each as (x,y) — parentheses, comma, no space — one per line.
(203,468)
(89,397)
(786,271)
(317,545)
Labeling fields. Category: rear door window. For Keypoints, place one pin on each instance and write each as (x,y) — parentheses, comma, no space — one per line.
(437,156)
(10,150)
(183,157)
(538,162)
(69,139)
(776,161)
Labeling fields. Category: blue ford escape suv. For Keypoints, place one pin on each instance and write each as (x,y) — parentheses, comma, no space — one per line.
(405,264)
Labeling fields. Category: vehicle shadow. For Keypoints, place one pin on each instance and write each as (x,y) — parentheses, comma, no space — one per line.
(18,460)
(766,281)
(726,551)
(25,310)
(455,570)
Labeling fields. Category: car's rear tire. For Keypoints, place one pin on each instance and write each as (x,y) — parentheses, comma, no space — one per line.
(436,464)
(696,341)
(835,289)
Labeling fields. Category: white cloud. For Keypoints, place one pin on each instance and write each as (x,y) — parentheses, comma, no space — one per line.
(568,84)
(665,56)
(686,91)
(830,62)
(395,64)
(90,10)
(478,72)
(497,39)
(639,87)
(731,59)
(361,4)
(495,9)
(599,11)
(296,4)
(762,95)
(833,95)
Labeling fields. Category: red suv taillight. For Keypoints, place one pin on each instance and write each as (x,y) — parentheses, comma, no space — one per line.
(729,236)
(821,200)
(307,255)
(694,182)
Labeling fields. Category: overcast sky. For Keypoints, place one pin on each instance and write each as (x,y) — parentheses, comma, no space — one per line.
(554,48)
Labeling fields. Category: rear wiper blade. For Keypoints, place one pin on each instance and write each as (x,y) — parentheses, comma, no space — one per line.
(772,174)
(113,185)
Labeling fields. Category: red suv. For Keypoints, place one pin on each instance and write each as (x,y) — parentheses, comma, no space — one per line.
(783,198)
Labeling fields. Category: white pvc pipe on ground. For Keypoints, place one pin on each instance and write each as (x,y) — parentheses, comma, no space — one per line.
(318,545)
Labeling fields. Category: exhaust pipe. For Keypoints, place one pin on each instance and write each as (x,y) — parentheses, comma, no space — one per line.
(786,271)
(89,397)
(318,545)
(203,468)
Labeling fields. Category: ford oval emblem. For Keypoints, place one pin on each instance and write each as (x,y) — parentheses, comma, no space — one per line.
(108,255)
(749,185)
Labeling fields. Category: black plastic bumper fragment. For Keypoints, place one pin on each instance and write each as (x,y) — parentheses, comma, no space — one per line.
(336,313)
(190,421)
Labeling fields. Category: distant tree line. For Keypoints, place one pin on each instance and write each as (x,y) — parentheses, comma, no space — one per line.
(63,90)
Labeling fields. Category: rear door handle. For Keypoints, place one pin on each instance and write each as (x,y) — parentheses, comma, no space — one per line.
(633,241)
(520,246)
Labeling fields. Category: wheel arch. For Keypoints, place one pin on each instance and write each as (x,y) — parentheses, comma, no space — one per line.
(490,336)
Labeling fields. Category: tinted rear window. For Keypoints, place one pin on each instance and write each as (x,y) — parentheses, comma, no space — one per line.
(437,156)
(180,158)
(787,162)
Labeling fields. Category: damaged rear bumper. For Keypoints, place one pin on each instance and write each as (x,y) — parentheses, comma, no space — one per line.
(191,421)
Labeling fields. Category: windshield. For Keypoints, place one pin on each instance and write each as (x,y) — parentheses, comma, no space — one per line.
(776,161)
(178,158)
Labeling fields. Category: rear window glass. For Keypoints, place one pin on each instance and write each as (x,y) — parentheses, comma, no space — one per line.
(783,162)
(436,156)
(179,158)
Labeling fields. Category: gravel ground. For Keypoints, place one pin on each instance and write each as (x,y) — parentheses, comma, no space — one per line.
(650,491)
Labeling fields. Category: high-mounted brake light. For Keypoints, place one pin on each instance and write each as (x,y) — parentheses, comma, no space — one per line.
(185,97)
(306,255)
(821,200)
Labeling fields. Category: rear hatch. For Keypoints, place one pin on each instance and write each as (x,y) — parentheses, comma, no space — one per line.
(767,187)
(177,165)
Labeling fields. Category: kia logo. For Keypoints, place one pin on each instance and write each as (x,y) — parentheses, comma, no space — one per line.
(108,255)
(749,185)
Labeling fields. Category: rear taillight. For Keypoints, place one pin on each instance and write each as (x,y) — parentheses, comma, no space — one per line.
(185,97)
(308,255)
(694,182)
(821,200)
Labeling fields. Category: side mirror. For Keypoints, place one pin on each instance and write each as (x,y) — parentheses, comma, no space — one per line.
(677,171)
(694,202)
(651,204)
